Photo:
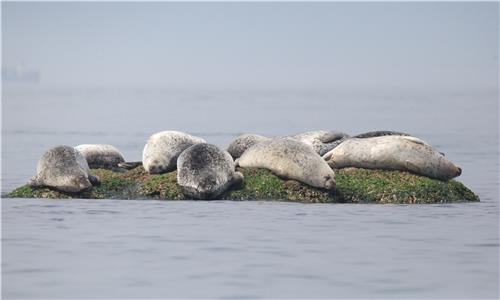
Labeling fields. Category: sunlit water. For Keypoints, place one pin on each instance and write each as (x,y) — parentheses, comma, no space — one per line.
(116,248)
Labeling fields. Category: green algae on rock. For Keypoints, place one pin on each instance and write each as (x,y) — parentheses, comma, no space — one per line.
(353,186)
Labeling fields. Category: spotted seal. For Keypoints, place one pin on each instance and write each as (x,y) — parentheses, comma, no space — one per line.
(393,152)
(322,141)
(204,171)
(291,159)
(101,156)
(63,168)
(243,142)
(163,148)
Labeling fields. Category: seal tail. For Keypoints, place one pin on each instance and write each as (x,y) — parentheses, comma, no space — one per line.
(129,165)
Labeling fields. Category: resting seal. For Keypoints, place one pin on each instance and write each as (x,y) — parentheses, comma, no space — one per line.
(204,171)
(322,141)
(243,142)
(65,169)
(163,148)
(290,159)
(101,156)
(393,152)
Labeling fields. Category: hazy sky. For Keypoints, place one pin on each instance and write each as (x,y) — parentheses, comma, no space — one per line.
(269,45)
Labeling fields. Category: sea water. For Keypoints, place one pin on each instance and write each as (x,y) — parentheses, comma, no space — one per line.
(205,249)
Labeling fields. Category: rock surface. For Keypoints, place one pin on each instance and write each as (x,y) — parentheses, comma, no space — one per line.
(353,186)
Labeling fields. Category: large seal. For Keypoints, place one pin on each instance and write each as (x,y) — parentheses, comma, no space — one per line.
(205,171)
(101,156)
(290,159)
(65,169)
(243,142)
(163,148)
(369,134)
(393,152)
(322,141)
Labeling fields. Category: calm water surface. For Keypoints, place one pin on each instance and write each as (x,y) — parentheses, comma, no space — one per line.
(117,249)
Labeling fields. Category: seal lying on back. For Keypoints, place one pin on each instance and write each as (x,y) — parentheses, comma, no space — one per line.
(65,169)
(243,142)
(101,156)
(205,171)
(392,152)
(163,148)
(322,141)
(290,159)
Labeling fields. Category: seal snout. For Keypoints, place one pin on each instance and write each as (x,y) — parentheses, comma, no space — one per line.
(459,171)
(83,184)
(329,183)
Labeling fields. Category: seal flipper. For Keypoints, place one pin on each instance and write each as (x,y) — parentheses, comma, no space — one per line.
(237,180)
(332,136)
(34,182)
(413,168)
(332,145)
(94,180)
(327,155)
(129,165)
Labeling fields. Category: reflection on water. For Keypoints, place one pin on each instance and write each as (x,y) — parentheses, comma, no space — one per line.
(117,249)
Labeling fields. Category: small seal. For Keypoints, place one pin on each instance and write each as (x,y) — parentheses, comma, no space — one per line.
(291,159)
(101,156)
(243,142)
(393,152)
(322,141)
(204,171)
(65,169)
(163,148)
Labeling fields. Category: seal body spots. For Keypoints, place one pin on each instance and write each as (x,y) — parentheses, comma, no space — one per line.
(101,155)
(65,169)
(393,152)
(243,142)
(290,159)
(205,171)
(322,141)
(163,148)
(379,133)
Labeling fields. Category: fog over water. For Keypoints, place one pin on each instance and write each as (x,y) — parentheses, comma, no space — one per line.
(255,45)
(117,72)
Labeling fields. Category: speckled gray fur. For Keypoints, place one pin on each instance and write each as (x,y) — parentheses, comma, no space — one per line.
(380,133)
(322,141)
(65,169)
(243,142)
(101,156)
(163,148)
(204,171)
